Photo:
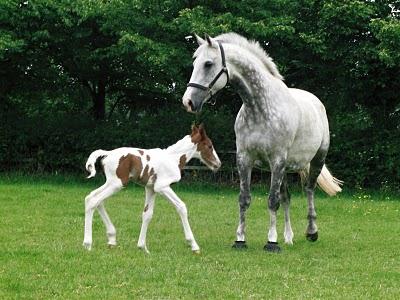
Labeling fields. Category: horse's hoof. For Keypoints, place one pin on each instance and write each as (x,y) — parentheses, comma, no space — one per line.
(239,245)
(196,252)
(111,246)
(312,237)
(272,247)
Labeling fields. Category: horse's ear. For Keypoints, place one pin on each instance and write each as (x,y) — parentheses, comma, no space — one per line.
(199,40)
(211,42)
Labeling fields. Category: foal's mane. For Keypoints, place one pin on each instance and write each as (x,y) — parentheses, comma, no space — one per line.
(252,46)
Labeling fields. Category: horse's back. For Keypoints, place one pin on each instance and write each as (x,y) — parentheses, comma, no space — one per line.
(312,109)
(313,131)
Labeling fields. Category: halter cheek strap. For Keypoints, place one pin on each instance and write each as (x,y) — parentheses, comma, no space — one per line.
(222,71)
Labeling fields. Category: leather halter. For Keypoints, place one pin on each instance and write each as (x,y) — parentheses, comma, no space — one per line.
(223,70)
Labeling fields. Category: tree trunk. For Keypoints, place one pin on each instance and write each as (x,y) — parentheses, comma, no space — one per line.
(98,93)
(99,101)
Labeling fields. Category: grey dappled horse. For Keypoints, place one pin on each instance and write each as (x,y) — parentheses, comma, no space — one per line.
(283,128)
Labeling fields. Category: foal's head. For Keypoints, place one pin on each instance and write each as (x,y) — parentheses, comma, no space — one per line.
(209,74)
(205,150)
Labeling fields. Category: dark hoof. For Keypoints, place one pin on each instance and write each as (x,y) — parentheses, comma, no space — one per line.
(272,247)
(312,237)
(239,245)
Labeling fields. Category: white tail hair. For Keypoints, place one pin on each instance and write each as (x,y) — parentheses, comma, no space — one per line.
(325,180)
(90,164)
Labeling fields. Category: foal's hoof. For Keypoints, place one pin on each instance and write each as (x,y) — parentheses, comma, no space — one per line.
(88,246)
(196,252)
(112,246)
(272,247)
(239,245)
(312,237)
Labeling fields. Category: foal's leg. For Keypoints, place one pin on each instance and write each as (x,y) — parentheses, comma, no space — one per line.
(285,200)
(182,211)
(244,165)
(91,203)
(278,172)
(146,217)
(110,229)
(316,165)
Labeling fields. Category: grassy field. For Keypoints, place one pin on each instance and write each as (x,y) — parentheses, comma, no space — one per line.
(41,253)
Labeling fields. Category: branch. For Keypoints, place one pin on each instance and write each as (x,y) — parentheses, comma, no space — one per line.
(115,105)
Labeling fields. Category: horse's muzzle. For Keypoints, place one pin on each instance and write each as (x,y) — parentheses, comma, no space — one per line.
(191,106)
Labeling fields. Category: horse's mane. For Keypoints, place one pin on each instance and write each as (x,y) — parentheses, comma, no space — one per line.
(252,46)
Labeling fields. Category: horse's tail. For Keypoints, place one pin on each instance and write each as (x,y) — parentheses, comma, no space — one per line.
(91,162)
(328,183)
(325,180)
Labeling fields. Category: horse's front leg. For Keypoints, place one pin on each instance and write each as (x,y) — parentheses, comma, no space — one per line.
(245,166)
(277,176)
(285,200)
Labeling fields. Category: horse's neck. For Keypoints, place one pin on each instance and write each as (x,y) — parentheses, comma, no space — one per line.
(184,146)
(251,79)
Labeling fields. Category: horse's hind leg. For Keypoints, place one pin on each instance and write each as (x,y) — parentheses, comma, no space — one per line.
(285,200)
(316,165)
(244,165)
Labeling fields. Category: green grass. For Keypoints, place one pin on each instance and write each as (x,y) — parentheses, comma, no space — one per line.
(41,253)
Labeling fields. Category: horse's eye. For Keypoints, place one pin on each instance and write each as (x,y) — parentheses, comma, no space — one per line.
(210,147)
(208,64)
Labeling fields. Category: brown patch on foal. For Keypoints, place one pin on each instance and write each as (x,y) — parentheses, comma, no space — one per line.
(182,161)
(141,152)
(148,157)
(147,174)
(130,166)
(146,208)
(203,142)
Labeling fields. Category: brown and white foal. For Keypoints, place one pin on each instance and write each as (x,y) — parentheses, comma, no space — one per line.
(156,169)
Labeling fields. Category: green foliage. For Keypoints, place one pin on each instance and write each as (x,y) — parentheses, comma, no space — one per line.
(63,142)
(116,61)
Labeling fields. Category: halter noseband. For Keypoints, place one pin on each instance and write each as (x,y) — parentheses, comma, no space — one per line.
(223,70)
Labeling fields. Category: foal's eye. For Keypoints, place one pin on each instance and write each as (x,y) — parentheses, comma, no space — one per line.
(208,64)
(210,147)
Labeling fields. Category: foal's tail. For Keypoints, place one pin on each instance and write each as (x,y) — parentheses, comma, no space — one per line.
(90,164)
(326,181)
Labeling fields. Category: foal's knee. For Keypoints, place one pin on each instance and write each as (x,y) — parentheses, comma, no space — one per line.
(147,214)
(89,206)
(181,208)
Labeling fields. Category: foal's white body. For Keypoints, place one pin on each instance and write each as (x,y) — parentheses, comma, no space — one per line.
(156,169)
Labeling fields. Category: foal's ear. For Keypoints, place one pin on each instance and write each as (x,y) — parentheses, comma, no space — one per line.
(199,40)
(195,129)
(211,42)
(202,130)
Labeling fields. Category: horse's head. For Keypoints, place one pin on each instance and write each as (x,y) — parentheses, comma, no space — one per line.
(205,150)
(209,74)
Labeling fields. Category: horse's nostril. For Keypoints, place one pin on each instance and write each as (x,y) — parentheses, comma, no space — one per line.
(190,104)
